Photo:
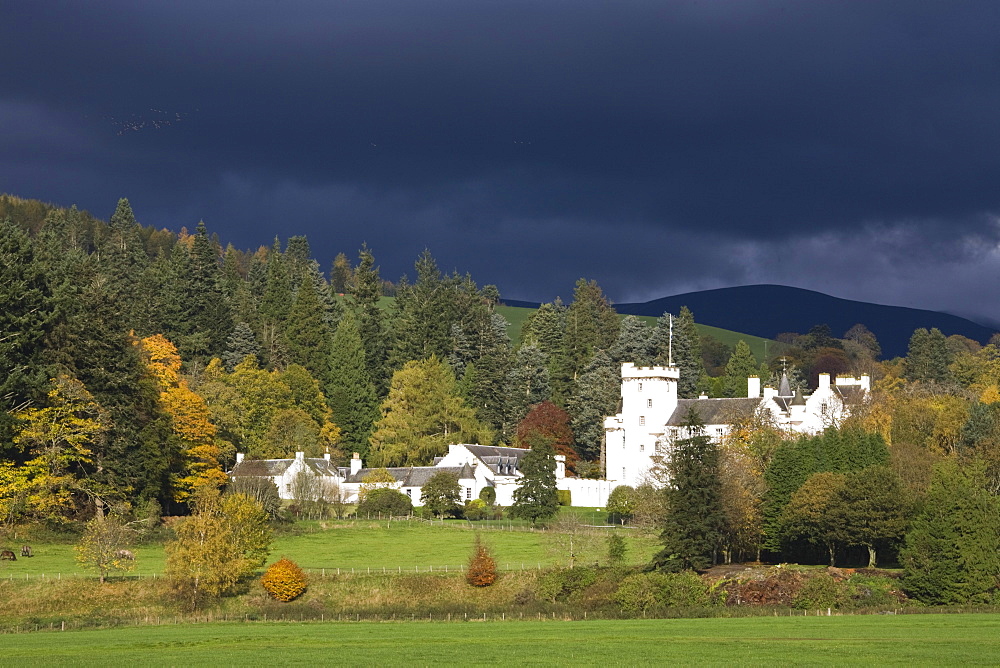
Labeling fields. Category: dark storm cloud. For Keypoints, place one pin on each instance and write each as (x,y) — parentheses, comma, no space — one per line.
(657,146)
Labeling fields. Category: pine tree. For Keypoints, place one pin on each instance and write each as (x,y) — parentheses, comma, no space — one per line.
(341,275)
(928,358)
(685,352)
(370,321)
(527,384)
(424,315)
(634,344)
(952,552)
(741,366)
(27,313)
(123,259)
(307,336)
(545,328)
(536,498)
(597,395)
(240,343)
(349,390)
(591,325)
(207,309)
(695,524)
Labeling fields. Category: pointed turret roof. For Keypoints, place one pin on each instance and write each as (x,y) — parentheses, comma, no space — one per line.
(785,388)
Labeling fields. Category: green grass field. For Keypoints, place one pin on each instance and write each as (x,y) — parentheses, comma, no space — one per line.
(859,640)
(360,545)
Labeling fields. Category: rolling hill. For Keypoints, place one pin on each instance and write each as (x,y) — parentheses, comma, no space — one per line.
(768,310)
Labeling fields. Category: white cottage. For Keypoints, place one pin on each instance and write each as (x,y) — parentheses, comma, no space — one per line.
(651,414)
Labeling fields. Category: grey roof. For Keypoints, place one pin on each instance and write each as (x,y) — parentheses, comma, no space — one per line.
(798,400)
(261,467)
(501,460)
(417,476)
(785,388)
(850,394)
(714,411)
(276,467)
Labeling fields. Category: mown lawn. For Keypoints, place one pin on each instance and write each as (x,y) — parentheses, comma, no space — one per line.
(859,640)
(405,545)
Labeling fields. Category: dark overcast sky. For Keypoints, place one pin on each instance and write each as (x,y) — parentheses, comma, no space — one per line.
(656,146)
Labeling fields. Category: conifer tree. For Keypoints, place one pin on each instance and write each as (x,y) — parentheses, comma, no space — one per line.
(27,312)
(545,328)
(240,343)
(422,322)
(741,366)
(527,384)
(684,352)
(952,552)
(536,498)
(341,275)
(123,259)
(695,524)
(422,414)
(349,390)
(597,394)
(634,344)
(370,321)
(307,336)
(591,325)
(928,358)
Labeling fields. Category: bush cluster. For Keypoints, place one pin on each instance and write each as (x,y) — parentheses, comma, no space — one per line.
(284,580)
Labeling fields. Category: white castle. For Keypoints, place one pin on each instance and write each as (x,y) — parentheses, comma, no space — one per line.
(651,414)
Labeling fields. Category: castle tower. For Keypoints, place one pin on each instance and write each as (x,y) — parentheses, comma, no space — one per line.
(649,397)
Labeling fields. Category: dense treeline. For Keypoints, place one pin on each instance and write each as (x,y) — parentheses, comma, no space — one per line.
(135,363)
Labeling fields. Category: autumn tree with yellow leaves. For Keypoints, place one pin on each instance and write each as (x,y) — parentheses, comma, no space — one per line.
(189,417)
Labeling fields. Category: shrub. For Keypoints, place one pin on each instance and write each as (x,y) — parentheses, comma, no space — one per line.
(641,592)
(475,510)
(565,497)
(482,567)
(821,591)
(560,583)
(635,594)
(384,501)
(284,580)
(488,495)
(616,550)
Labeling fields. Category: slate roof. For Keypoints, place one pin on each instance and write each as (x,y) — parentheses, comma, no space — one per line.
(261,467)
(501,460)
(850,394)
(275,467)
(416,476)
(713,411)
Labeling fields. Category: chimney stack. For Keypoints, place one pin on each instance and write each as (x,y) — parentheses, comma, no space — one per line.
(355,463)
(753,387)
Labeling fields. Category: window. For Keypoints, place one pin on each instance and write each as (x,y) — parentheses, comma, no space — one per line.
(642,447)
(649,403)
(408,490)
(468,493)
(623,473)
(640,387)
(642,420)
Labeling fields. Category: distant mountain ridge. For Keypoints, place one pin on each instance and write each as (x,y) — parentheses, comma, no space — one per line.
(768,310)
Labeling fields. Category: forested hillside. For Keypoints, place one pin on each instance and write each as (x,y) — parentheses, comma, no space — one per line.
(135,363)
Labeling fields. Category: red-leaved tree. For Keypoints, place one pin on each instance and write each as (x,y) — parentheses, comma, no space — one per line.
(552,423)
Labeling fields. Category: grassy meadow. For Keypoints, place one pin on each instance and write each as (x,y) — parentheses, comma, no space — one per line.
(972,639)
(361,545)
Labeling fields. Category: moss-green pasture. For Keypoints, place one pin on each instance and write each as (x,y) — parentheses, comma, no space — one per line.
(859,640)
(362,545)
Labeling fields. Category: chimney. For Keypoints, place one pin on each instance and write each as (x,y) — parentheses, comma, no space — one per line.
(326,456)
(824,381)
(753,387)
(866,382)
(355,463)
(770,393)
(703,396)
(300,456)
(560,466)
(239,458)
